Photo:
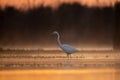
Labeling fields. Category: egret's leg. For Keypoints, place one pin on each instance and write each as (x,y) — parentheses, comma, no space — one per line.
(67,55)
(70,55)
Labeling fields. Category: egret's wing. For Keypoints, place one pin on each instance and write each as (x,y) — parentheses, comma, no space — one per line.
(69,49)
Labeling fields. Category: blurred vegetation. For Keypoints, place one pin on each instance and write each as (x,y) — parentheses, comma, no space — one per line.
(43,20)
(1,49)
(117,27)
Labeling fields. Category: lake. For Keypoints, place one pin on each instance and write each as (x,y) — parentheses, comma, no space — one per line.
(55,65)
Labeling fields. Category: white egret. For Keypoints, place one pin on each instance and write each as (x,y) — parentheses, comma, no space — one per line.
(65,47)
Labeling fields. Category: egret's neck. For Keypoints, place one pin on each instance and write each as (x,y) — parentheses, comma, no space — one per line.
(58,39)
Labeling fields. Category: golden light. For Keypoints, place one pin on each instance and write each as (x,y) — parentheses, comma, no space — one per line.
(25,4)
(87,74)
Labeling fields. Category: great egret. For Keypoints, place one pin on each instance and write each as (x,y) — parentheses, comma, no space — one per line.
(65,47)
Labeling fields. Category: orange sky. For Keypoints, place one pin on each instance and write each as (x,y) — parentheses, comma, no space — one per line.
(53,3)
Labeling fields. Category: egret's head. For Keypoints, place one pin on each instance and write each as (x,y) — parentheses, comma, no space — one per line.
(55,32)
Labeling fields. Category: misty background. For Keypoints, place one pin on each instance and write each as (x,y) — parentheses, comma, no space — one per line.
(78,25)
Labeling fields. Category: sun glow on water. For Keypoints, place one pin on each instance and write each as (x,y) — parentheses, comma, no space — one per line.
(82,74)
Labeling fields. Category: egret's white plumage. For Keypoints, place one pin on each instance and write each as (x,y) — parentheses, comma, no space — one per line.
(65,47)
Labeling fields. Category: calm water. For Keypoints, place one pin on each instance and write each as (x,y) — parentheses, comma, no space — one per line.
(81,74)
(45,65)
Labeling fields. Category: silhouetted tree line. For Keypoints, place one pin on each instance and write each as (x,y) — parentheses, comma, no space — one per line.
(42,20)
(117,27)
